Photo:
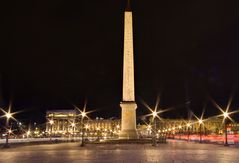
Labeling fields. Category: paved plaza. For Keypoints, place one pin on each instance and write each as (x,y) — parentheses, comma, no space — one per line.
(172,152)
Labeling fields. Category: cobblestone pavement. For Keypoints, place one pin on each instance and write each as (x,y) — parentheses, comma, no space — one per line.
(172,152)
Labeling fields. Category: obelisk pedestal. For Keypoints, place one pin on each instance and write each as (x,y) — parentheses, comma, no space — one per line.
(128,105)
(128,121)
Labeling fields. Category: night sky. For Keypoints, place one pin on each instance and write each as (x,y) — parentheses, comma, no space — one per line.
(60,52)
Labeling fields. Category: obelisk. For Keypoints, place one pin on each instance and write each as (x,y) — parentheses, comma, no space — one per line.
(128,105)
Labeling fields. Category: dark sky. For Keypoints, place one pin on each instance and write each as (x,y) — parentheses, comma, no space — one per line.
(60,52)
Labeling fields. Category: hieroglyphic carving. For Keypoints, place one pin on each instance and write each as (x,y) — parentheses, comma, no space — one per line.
(128,76)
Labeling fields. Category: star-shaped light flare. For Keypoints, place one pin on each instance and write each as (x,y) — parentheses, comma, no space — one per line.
(8,114)
(200,120)
(156,110)
(225,113)
(83,112)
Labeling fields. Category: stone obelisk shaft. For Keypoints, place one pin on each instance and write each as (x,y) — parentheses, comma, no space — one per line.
(128,105)
(128,76)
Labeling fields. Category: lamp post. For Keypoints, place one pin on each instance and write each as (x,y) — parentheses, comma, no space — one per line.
(225,115)
(154,130)
(8,115)
(200,130)
(83,114)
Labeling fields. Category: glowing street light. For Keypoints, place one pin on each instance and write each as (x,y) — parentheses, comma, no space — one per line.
(83,114)
(9,115)
(155,114)
(200,121)
(226,115)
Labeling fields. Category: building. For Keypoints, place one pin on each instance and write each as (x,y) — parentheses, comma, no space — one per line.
(60,121)
(68,122)
(183,126)
(209,126)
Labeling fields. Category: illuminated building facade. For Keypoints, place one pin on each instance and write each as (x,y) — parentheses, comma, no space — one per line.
(61,121)
(182,126)
(68,122)
(213,125)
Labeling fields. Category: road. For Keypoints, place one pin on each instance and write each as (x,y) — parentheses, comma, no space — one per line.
(172,152)
(26,140)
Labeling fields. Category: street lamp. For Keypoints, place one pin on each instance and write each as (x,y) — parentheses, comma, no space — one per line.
(83,114)
(154,113)
(200,121)
(8,116)
(225,115)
